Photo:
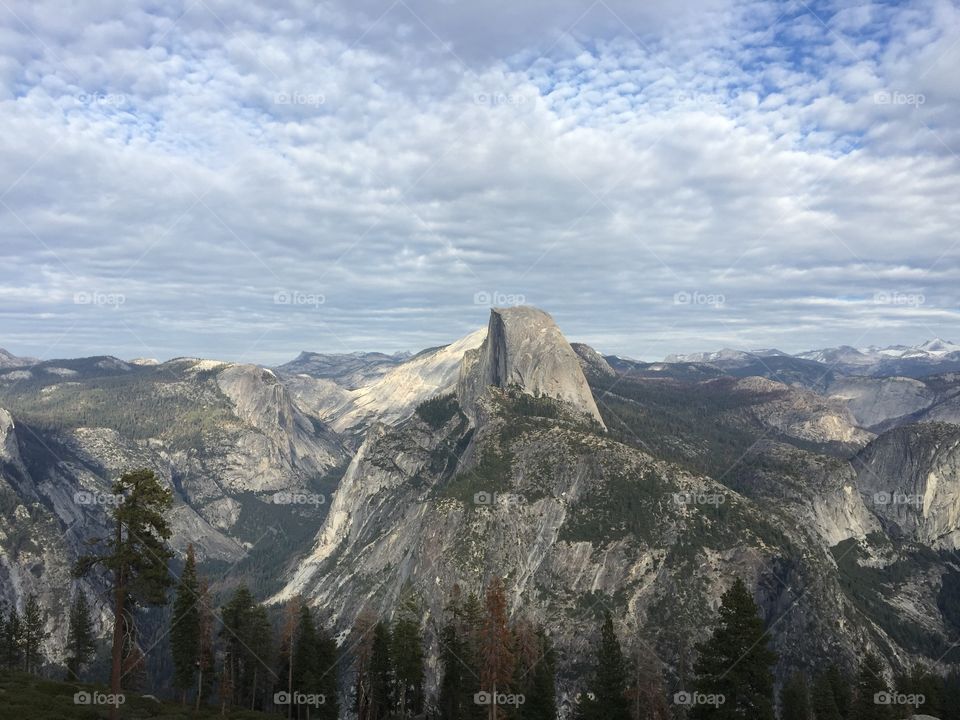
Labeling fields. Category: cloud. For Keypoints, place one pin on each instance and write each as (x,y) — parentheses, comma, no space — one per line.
(381,170)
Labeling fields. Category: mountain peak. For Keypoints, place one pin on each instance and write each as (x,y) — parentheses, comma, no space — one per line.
(525,348)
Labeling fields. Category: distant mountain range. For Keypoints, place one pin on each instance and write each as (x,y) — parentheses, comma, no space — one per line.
(587,481)
(932,356)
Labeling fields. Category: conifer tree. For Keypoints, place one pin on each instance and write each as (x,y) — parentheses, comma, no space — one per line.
(32,634)
(795,698)
(137,556)
(327,680)
(540,690)
(453,651)
(306,672)
(606,698)
(647,693)
(496,654)
(81,642)
(735,662)
(823,700)
(870,685)
(205,661)
(185,627)
(406,649)
(381,674)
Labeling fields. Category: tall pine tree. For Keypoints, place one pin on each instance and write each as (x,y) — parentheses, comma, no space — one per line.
(795,698)
(137,556)
(870,684)
(32,634)
(735,662)
(381,674)
(81,642)
(606,698)
(496,654)
(407,654)
(185,627)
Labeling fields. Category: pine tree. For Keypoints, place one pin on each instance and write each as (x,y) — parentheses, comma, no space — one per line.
(306,673)
(735,662)
(541,689)
(496,655)
(259,637)
(921,682)
(606,698)
(406,650)
(327,680)
(453,648)
(137,557)
(381,674)
(842,689)
(13,639)
(362,642)
(81,643)
(205,665)
(185,627)
(823,700)
(870,685)
(951,695)
(795,698)
(33,634)
(288,639)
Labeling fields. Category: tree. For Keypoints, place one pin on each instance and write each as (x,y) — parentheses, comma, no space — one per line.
(81,643)
(362,642)
(305,666)
(920,681)
(327,680)
(496,655)
(823,699)
(406,649)
(185,627)
(540,687)
(136,556)
(452,657)
(12,639)
(606,698)
(735,662)
(795,698)
(951,695)
(870,684)
(288,639)
(381,674)
(32,634)
(647,692)
(205,664)
(246,640)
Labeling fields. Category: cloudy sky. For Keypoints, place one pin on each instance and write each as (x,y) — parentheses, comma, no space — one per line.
(244,180)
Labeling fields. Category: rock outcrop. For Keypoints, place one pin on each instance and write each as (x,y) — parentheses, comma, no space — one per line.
(524,348)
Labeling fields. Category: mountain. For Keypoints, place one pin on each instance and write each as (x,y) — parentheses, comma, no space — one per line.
(928,358)
(587,482)
(348,370)
(693,482)
(9,360)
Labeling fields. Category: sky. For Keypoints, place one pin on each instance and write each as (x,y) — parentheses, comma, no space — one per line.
(243,181)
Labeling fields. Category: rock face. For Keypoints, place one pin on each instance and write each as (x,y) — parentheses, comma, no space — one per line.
(910,478)
(525,348)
